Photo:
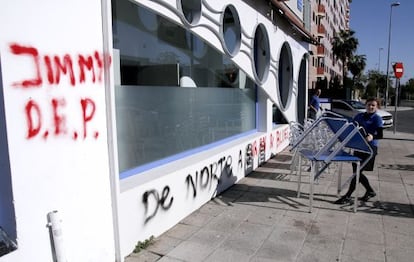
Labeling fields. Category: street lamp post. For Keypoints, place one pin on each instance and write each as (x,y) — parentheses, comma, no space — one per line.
(388,55)
(379,66)
(379,59)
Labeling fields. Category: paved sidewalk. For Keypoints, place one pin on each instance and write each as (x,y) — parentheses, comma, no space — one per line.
(261,219)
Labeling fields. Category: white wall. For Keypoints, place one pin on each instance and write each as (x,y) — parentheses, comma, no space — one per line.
(57,130)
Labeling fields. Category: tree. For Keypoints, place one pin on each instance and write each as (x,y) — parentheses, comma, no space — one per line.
(356,65)
(407,90)
(344,45)
(375,84)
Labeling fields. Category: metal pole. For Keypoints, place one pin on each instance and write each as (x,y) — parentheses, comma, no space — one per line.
(379,67)
(397,86)
(55,227)
(388,55)
(379,59)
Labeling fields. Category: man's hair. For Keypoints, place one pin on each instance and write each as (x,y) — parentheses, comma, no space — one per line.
(374,99)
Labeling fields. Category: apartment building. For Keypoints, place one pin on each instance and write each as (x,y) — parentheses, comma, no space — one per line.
(327,18)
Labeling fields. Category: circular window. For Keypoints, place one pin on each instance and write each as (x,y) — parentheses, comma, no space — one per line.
(231,32)
(191,10)
(261,49)
(285,74)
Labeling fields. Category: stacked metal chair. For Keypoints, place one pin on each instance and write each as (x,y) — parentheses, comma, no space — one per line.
(318,138)
(329,140)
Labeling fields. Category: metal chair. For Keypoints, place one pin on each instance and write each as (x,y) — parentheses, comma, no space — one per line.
(345,139)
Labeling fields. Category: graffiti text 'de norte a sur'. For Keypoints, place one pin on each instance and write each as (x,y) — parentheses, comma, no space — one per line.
(52,70)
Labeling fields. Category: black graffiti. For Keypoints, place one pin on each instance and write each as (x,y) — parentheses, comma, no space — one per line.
(240,160)
(160,201)
(204,178)
(249,159)
(262,150)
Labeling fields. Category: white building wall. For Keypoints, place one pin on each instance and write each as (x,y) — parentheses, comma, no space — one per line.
(57,130)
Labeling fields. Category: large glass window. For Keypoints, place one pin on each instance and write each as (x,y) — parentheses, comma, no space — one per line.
(176,93)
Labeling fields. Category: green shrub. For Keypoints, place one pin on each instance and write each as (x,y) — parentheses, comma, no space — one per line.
(143,245)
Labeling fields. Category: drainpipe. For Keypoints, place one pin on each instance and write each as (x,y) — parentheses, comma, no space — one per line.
(56,236)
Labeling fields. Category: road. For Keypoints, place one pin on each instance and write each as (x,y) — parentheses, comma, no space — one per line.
(404,121)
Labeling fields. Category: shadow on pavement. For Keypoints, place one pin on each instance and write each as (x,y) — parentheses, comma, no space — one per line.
(285,199)
(399,139)
(389,209)
(398,167)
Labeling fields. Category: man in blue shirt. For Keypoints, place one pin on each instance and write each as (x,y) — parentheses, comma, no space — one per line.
(373,128)
(314,105)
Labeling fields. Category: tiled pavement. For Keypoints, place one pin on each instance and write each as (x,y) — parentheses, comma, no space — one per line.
(261,219)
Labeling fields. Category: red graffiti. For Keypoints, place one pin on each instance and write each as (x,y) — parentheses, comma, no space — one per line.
(33,113)
(272,140)
(55,67)
(35,124)
(65,67)
(30,51)
(88,111)
(281,136)
(58,120)
(255,151)
(278,139)
(286,134)
(262,143)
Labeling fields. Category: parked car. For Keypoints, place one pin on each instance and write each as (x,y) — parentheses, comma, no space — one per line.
(349,108)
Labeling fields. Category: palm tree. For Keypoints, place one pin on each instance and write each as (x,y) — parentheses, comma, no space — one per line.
(377,81)
(356,65)
(344,45)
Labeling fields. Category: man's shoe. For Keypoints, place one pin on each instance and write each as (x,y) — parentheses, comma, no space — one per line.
(343,200)
(367,196)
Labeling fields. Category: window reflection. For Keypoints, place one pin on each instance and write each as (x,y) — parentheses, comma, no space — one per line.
(177,93)
(231,30)
(261,53)
(285,74)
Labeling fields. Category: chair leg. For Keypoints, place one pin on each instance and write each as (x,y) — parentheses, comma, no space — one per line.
(356,187)
(299,176)
(339,179)
(311,179)
(294,161)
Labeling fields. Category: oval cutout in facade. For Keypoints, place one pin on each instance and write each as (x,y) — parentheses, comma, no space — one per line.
(191,10)
(285,75)
(231,30)
(261,51)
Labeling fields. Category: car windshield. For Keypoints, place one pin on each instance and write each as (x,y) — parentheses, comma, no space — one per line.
(357,104)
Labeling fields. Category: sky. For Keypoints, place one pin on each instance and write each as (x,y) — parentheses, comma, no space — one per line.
(370,20)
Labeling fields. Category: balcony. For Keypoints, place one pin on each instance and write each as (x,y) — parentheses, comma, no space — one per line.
(320,50)
(321,30)
(320,71)
(321,10)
